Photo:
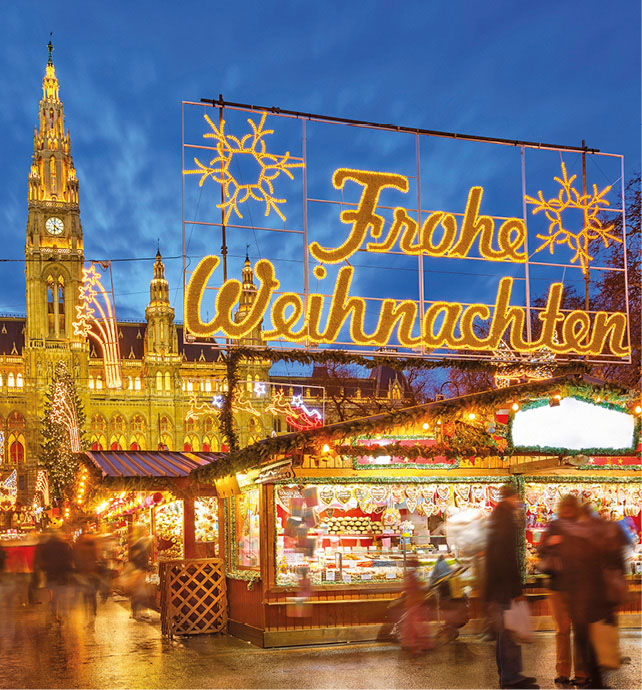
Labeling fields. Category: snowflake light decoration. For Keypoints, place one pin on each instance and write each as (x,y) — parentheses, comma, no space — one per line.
(270,167)
(592,228)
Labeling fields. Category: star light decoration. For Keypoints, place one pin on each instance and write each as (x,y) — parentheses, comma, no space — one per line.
(530,366)
(219,168)
(591,205)
(95,318)
(63,412)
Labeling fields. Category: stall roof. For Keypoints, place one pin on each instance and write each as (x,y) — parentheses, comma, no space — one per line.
(140,463)
(266,449)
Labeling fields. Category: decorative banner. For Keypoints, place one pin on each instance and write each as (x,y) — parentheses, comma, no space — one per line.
(264,170)
(96,318)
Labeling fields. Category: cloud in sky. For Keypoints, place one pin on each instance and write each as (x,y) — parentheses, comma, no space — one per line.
(556,73)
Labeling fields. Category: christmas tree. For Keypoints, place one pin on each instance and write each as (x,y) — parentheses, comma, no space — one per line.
(62,433)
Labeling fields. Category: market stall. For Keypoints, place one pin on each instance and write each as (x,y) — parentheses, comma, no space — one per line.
(320,525)
(149,495)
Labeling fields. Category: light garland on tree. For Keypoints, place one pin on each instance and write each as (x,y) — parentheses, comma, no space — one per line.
(42,485)
(63,411)
(96,318)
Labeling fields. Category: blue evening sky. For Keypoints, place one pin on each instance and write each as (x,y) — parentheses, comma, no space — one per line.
(553,72)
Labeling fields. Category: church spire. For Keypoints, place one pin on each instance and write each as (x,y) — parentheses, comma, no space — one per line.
(159,287)
(52,176)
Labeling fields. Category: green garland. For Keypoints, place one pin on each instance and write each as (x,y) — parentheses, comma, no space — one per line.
(486,402)
(376,360)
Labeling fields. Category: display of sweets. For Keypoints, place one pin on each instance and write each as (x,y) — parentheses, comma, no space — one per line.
(169,529)
(206,519)
(350,525)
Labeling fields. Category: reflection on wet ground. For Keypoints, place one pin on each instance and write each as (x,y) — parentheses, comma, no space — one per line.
(119,652)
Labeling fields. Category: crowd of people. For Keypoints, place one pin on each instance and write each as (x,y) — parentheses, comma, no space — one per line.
(69,573)
(581,552)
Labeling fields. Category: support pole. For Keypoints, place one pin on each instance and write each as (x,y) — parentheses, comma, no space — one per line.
(189,533)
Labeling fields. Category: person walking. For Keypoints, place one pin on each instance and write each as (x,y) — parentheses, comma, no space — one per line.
(504,585)
(551,564)
(86,563)
(56,561)
(580,544)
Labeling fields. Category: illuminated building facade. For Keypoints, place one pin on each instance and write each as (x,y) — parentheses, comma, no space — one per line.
(142,402)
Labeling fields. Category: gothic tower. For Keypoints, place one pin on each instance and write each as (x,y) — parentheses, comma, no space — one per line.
(161,337)
(54,246)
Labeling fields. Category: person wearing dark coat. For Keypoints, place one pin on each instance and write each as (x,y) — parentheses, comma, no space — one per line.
(56,561)
(504,584)
(567,509)
(580,546)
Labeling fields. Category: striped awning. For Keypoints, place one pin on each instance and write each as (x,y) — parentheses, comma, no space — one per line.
(146,463)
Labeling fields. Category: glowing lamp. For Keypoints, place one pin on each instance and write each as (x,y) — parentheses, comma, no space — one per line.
(515,406)
(425,426)
(638,409)
(439,422)
(471,416)
(326,448)
(555,399)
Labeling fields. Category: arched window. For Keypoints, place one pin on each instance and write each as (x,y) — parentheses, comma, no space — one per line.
(117,442)
(96,446)
(61,306)
(210,444)
(166,423)
(190,424)
(1,383)
(168,381)
(117,423)
(249,383)
(51,307)
(137,383)
(159,380)
(99,382)
(98,423)
(115,446)
(130,383)
(134,446)
(11,382)
(191,443)
(208,424)
(190,386)
(138,423)
(208,386)
(166,442)
(19,382)
(16,448)
(91,383)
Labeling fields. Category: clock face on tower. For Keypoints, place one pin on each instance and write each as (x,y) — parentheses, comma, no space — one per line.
(54,226)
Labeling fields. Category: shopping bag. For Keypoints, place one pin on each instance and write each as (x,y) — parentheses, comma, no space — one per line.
(605,643)
(518,621)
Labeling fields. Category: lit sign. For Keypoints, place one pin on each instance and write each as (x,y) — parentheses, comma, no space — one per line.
(573,424)
(370,226)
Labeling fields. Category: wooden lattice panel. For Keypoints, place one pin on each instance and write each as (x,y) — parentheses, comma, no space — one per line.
(193,597)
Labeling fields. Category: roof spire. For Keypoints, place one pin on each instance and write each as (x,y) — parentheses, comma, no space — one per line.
(50,46)
(247,253)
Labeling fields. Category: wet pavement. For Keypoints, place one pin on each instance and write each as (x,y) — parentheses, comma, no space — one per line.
(123,653)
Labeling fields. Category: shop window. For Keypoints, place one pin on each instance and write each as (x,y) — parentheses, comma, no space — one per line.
(246,550)
(359,535)
(206,519)
(168,518)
